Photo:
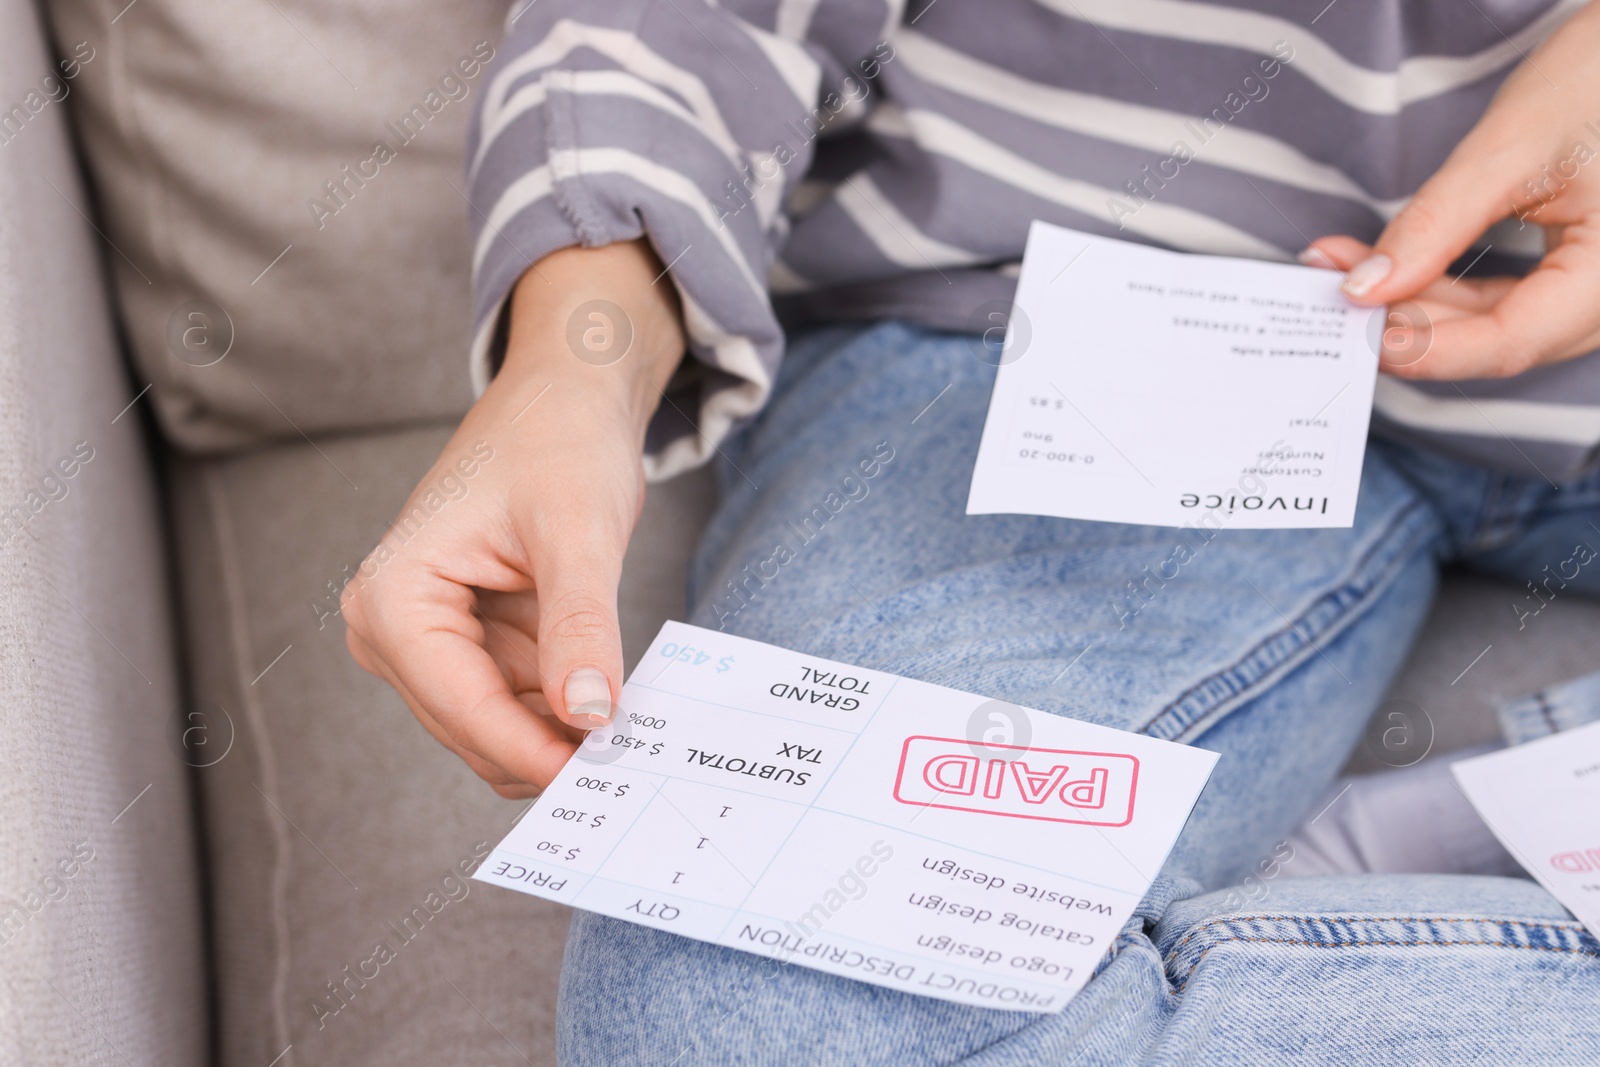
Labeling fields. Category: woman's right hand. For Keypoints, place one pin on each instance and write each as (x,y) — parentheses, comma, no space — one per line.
(493,610)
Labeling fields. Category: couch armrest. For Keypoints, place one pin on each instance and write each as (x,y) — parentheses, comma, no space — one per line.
(101,931)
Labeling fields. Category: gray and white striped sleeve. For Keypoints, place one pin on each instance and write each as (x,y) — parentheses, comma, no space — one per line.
(604,122)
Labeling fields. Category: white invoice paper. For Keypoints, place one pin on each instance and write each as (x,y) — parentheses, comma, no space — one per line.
(863,824)
(1144,386)
(1542,800)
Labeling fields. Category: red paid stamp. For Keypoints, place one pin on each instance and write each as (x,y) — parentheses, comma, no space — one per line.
(1053,784)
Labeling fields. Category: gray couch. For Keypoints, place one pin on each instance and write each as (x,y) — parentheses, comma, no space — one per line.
(208,815)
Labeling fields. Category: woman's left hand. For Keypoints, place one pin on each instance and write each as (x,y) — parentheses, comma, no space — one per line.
(1535,155)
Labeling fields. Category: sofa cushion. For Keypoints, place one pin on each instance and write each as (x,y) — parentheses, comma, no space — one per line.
(1474,656)
(336,825)
(101,955)
(279,179)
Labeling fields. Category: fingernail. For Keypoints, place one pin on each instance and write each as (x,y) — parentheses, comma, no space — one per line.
(1316,257)
(1366,274)
(588,695)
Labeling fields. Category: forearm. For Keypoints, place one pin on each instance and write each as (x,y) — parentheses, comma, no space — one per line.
(599,323)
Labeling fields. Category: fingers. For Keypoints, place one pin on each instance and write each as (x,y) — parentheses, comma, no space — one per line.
(431,649)
(504,678)
(363,655)
(1467,294)
(1335,252)
(1455,297)
(1459,327)
(1531,323)
(1467,195)
(580,639)
(510,622)
(519,792)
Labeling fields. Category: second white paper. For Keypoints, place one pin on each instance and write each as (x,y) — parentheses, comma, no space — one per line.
(1144,386)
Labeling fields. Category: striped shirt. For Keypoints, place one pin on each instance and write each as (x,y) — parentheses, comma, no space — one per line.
(808,160)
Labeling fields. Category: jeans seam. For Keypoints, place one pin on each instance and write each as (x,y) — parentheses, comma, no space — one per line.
(1203,927)
(1178,986)
(1548,936)
(1201,700)
(1495,523)
(1120,944)
(1509,508)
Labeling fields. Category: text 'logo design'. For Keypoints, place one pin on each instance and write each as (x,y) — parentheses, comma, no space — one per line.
(1054,784)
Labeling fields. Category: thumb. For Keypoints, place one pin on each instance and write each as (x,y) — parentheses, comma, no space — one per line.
(580,639)
(1453,208)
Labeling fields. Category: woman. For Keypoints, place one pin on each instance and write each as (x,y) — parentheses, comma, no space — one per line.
(650,178)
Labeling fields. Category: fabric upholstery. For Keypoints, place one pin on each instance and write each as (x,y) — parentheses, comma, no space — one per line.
(335,814)
(212,131)
(101,956)
(1460,694)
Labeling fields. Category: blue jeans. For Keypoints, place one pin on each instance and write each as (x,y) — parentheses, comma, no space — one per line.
(1272,648)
